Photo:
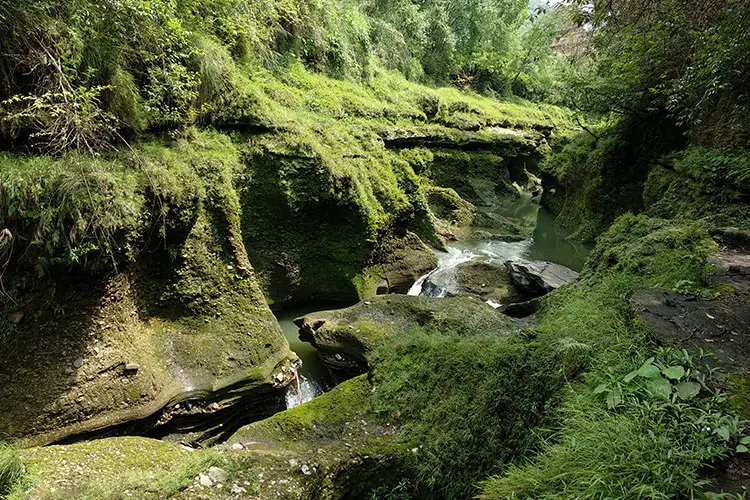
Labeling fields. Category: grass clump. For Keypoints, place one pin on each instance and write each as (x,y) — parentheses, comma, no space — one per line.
(467,406)
(12,469)
(643,434)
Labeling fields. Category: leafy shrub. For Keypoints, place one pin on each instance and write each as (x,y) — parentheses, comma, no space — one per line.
(642,434)
(716,166)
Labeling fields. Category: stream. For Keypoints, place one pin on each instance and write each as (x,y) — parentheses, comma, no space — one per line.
(547,243)
(314,378)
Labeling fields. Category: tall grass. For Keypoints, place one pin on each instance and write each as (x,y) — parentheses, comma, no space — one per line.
(12,469)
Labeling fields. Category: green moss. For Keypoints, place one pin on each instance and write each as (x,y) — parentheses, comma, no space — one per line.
(115,467)
(320,419)
(682,193)
(466,405)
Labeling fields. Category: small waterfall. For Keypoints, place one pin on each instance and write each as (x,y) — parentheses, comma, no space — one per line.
(442,281)
(307,387)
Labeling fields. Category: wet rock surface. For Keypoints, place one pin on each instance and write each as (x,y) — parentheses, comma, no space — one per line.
(536,277)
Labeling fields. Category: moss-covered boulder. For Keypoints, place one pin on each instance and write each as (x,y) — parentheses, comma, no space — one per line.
(489,281)
(346,337)
(332,447)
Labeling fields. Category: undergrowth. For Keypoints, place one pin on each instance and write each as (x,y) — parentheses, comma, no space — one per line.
(467,406)
(642,422)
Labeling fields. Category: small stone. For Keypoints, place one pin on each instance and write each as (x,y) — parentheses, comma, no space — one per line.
(217,475)
(204,480)
(132,367)
(69,370)
(15,317)
(367,302)
(238,490)
(305,469)
(293,462)
(78,363)
(237,446)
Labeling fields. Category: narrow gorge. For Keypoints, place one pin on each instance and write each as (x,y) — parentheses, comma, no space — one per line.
(353,249)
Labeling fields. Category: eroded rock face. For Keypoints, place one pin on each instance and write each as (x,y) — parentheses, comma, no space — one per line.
(402,261)
(345,337)
(160,347)
(537,278)
(720,325)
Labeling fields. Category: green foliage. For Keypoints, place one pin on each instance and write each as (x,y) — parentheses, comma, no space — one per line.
(12,469)
(97,212)
(643,422)
(642,434)
(466,404)
(715,166)
(673,56)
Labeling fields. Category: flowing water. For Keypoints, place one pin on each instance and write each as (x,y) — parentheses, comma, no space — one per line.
(313,375)
(548,243)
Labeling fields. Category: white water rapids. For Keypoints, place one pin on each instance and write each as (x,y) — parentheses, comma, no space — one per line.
(442,280)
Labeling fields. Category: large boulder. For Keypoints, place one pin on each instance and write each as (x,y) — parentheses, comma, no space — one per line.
(401,262)
(489,281)
(346,337)
(536,277)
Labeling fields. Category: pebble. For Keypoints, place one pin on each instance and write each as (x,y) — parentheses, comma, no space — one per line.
(217,474)
(78,363)
(306,469)
(237,446)
(204,480)
(132,367)
(238,490)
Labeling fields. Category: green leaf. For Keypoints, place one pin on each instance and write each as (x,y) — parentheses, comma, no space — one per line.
(648,370)
(630,376)
(741,448)
(614,398)
(688,390)
(600,388)
(660,387)
(722,432)
(674,372)
(745,440)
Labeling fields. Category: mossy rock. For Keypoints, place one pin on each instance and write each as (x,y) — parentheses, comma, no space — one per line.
(114,467)
(346,337)
(119,354)
(489,281)
(331,447)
